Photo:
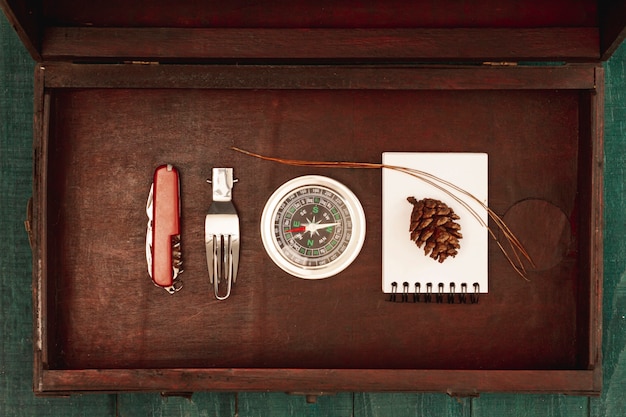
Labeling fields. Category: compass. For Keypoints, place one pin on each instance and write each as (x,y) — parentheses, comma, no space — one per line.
(313,227)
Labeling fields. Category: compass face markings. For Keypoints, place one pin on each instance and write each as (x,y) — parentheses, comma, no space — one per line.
(308,227)
(312,226)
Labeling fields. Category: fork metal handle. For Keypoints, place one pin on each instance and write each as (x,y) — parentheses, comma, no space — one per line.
(222,181)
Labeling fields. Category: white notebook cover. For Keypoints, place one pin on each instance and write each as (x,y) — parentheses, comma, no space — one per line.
(402,260)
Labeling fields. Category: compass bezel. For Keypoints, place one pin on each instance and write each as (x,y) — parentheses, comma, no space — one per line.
(333,267)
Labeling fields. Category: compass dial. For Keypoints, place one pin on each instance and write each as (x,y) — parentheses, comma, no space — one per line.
(313,227)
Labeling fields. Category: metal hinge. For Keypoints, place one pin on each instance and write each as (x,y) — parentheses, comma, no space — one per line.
(500,63)
(142,62)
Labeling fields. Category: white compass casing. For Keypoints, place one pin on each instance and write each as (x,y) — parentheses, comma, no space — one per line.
(327,257)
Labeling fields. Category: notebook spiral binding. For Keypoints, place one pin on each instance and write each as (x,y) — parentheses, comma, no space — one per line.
(428,295)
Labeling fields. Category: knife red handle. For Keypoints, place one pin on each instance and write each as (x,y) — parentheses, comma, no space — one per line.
(165,223)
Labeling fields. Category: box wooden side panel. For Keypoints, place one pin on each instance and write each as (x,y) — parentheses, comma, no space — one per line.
(318,77)
(38,224)
(471,44)
(453,382)
(590,217)
(597,226)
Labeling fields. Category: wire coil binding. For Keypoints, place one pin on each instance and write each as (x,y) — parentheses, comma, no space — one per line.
(439,296)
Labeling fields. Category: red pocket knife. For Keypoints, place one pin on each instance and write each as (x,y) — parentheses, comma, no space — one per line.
(163,252)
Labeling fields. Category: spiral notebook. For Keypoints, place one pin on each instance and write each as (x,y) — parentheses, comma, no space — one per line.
(406,271)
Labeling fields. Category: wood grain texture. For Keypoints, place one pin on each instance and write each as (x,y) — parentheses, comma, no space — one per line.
(533,405)
(319,77)
(196,405)
(400,405)
(279,404)
(96,182)
(459,383)
(366,45)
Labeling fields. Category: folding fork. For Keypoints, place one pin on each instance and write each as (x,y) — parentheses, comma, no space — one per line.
(221,234)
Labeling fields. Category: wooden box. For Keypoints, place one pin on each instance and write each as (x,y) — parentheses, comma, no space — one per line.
(124,87)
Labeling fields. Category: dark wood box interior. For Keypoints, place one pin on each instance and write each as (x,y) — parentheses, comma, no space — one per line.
(321,81)
(103,144)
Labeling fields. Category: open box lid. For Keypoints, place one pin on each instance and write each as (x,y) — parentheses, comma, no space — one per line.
(350,30)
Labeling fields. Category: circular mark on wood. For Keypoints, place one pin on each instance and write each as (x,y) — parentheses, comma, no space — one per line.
(543,229)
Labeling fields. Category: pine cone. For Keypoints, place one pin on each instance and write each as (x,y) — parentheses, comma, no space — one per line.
(433,225)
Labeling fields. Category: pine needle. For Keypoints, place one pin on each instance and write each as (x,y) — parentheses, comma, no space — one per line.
(455,192)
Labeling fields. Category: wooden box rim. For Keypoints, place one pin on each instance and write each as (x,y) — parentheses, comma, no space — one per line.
(457,382)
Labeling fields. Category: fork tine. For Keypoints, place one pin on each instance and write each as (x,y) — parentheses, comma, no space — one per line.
(225,267)
(218,258)
(210,259)
(234,251)
(217,262)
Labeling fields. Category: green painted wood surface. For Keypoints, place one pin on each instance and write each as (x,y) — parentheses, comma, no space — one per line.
(491,405)
(16,398)
(16,342)
(200,405)
(397,405)
(613,400)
